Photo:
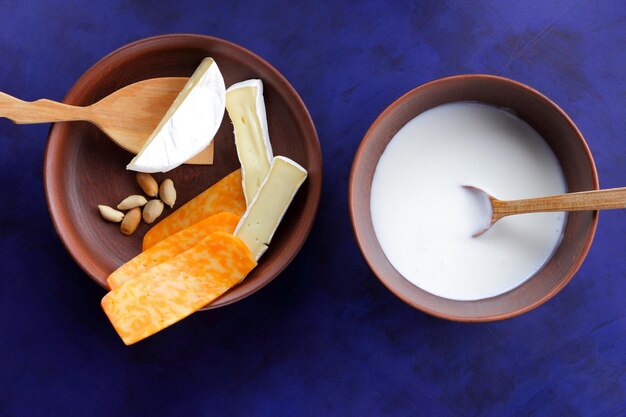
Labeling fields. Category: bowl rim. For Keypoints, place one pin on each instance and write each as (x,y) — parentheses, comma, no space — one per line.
(74,248)
(360,156)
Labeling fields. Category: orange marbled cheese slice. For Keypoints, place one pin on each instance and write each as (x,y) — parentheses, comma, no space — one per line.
(172,246)
(172,290)
(224,195)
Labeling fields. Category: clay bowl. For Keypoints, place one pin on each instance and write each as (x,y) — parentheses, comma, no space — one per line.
(83,168)
(559,132)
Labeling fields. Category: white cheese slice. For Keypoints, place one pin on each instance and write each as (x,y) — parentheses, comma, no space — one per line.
(246,108)
(261,219)
(189,125)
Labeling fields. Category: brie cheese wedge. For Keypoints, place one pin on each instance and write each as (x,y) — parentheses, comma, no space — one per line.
(189,125)
(246,108)
(258,224)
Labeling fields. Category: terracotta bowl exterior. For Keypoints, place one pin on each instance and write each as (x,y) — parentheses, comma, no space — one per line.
(83,168)
(550,122)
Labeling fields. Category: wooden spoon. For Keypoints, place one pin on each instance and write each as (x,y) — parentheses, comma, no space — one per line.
(613,198)
(128,115)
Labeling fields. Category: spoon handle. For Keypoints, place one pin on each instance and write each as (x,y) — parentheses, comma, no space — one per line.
(612,198)
(40,111)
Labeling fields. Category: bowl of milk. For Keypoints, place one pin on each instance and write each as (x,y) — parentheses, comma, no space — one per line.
(414,221)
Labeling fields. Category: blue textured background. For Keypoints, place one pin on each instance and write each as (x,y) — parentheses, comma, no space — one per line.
(325,338)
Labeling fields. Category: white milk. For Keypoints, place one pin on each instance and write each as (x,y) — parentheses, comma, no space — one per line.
(424,219)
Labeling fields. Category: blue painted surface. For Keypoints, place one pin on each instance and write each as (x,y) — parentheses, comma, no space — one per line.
(325,338)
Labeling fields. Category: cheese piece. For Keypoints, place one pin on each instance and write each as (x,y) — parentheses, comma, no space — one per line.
(246,108)
(189,125)
(258,224)
(176,288)
(224,195)
(172,246)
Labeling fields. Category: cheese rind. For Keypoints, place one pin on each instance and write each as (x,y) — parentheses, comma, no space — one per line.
(224,195)
(189,125)
(246,107)
(258,224)
(176,288)
(172,246)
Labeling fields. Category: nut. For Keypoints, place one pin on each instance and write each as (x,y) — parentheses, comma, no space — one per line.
(110,214)
(167,192)
(148,184)
(132,202)
(131,221)
(152,210)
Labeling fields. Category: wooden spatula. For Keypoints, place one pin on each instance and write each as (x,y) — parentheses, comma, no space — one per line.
(128,116)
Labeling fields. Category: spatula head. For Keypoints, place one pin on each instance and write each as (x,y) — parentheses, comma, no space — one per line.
(130,114)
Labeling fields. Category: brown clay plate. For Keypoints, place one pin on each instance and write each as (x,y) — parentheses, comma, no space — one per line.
(83,168)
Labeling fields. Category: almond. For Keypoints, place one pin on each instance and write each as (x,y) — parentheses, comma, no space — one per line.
(147,183)
(132,202)
(167,192)
(131,221)
(110,214)
(152,210)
